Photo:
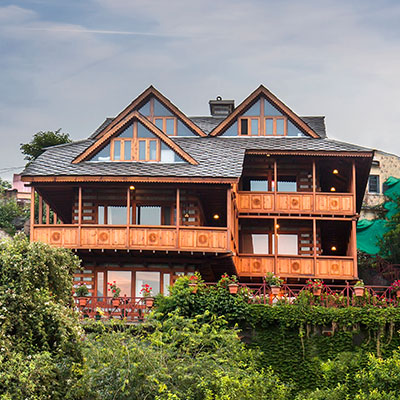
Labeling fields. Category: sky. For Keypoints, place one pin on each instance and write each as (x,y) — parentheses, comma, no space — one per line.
(70,64)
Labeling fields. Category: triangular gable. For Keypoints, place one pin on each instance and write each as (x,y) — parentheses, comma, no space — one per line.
(119,128)
(140,101)
(260,92)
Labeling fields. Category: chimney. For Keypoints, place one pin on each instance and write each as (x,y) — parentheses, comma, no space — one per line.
(221,108)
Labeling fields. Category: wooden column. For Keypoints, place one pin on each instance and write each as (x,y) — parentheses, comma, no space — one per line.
(275,245)
(47,214)
(275,183)
(354,245)
(314,185)
(315,245)
(79,214)
(353,186)
(40,217)
(128,214)
(178,215)
(228,217)
(55,217)
(32,213)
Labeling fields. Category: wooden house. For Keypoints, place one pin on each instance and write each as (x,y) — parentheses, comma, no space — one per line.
(153,194)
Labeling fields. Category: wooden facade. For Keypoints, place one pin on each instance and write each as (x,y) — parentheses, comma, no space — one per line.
(284,210)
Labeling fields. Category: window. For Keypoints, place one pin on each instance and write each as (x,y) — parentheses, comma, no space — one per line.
(257,243)
(258,185)
(112,215)
(123,279)
(288,244)
(287,184)
(148,215)
(249,126)
(373,184)
(147,278)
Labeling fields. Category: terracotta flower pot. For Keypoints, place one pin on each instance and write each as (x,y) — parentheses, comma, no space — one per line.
(115,302)
(359,291)
(149,301)
(398,293)
(82,302)
(193,286)
(317,291)
(233,288)
(275,290)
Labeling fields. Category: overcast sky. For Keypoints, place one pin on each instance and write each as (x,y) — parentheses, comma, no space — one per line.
(70,63)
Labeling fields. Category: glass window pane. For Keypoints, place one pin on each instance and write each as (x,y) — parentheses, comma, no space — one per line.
(280,127)
(100,284)
(292,130)
(102,155)
(117,150)
(123,279)
(166,278)
(254,109)
(159,123)
(269,126)
(143,132)
(150,278)
(258,186)
(287,244)
(244,130)
(145,109)
(100,215)
(160,110)
(254,127)
(269,109)
(127,133)
(142,150)
(170,127)
(116,215)
(167,155)
(153,150)
(148,215)
(260,243)
(128,150)
(183,130)
(287,184)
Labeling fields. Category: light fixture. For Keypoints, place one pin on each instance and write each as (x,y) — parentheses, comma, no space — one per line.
(131,187)
(277,226)
(186,215)
(333,189)
(333,248)
(216,216)
(335,171)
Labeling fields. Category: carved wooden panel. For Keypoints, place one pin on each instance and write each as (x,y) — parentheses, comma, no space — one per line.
(152,237)
(289,266)
(214,240)
(335,204)
(259,202)
(294,202)
(255,266)
(335,268)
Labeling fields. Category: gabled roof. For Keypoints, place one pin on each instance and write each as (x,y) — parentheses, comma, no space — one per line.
(138,102)
(263,91)
(107,136)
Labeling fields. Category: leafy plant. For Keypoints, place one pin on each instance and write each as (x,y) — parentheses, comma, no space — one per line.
(81,290)
(273,280)
(315,284)
(146,290)
(227,280)
(114,289)
(359,283)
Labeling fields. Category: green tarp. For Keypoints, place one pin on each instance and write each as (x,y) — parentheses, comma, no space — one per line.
(369,232)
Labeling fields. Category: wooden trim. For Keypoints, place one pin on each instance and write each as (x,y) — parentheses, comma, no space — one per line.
(131,179)
(151,91)
(353,185)
(151,127)
(260,92)
(32,213)
(310,153)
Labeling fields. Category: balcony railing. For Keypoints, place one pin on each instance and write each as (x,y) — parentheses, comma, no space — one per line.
(327,267)
(190,238)
(296,202)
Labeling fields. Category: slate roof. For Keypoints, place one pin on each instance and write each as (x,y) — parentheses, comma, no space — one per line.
(218,157)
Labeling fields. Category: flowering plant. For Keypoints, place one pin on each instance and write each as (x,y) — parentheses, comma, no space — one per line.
(273,280)
(314,284)
(81,290)
(227,280)
(114,289)
(146,290)
(396,285)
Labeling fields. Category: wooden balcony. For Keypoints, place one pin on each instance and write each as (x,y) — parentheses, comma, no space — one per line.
(191,238)
(325,267)
(296,203)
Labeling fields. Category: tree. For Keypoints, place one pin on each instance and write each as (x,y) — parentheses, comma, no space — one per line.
(40,141)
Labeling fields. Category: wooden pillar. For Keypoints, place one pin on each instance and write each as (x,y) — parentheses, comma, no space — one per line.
(314,221)
(275,245)
(353,186)
(32,213)
(314,185)
(40,217)
(354,246)
(128,214)
(275,183)
(228,217)
(178,215)
(79,214)
(47,214)
(55,217)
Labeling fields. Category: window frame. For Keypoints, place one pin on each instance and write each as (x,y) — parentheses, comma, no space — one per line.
(377,184)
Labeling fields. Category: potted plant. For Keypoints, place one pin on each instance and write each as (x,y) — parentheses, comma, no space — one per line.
(115,290)
(359,288)
(315,286)
(274,283)
(396,287)
(193,282)
(229,282)
(146,293)
(82,291)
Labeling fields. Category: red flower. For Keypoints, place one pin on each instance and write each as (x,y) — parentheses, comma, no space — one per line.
(113,290)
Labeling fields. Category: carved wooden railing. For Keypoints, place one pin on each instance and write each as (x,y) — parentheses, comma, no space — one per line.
(296,202)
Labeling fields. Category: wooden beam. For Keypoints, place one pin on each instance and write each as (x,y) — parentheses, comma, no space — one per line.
(354,246)
(40,217)
(229,217)
(275,181)
(314,221)
(47,214)
(275,245)
(178,215)
(32,222)
(128,214)
(79,214)
(354,185)
(314,185)
(360,154)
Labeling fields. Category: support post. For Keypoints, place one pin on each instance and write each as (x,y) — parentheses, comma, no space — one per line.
(354,246)
(47,214)
(79,214)
(40,216)
(314,186)
(275,245)
(178,215)
(55,217)
(228,217)
(128,214)
(353,186)
(315,245)
(275,183)
(32,213)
